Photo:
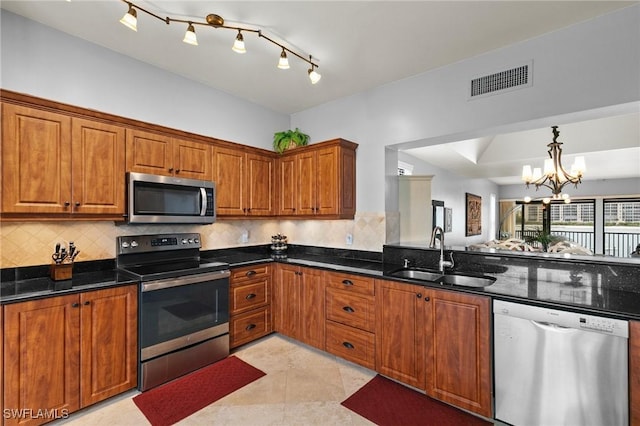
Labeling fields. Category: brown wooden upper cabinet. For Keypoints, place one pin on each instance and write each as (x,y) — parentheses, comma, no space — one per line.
(318,180)
(158,154)
(245,182)
(55,163)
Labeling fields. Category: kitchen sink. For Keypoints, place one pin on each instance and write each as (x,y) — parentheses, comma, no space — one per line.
(465,280)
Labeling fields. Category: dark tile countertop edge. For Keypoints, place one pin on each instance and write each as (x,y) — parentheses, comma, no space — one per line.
(348,261)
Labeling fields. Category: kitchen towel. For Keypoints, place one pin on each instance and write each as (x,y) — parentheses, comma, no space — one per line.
(173,401)
(388,403)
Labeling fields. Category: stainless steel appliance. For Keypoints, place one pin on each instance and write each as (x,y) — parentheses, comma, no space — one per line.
(183,308)
(559,368)
(166,199)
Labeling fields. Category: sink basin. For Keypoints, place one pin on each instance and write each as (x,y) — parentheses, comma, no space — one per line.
(466,280)
(417,274)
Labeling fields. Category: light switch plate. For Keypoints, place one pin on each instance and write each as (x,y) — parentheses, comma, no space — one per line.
(349,239)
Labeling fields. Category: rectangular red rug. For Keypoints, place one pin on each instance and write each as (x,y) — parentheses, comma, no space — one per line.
(388,403)
(169,403)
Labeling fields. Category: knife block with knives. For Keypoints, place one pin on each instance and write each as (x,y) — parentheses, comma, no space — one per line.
(62,266)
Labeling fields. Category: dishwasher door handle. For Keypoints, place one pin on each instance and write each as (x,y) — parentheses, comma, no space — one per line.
(549,326)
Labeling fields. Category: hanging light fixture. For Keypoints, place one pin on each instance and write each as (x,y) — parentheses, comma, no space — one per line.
(283,63)
(190,36)
(130,19)
(555,177)
(216,21)
(238,44)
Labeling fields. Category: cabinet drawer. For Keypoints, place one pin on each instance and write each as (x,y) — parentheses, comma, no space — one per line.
(351,344)
(354,283)
(351,309)
(250,273)
(249,296)
(249,326)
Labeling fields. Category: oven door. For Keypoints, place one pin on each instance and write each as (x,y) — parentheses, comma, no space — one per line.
(179,312)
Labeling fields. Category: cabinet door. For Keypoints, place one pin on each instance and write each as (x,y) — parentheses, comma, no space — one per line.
(288,185)
(306,171)
(229,175)
(149,153)
(98,153)
(109,339)
(287,291)
(634,372)
(260,181)
(327,186)
(42,338)
(400,330)
(312,307)
(458,350)
(192,160)
(36,161)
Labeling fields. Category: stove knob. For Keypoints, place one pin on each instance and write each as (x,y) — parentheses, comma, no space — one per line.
(190,241)
(184,241)
(134,244)
(125,244)
(195,240)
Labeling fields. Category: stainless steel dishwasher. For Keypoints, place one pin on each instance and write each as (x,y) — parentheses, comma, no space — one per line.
(555,368)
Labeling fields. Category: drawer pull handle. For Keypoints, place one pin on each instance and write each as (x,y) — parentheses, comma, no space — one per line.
(250,327)
(348,309)
(250,296)
(348,345)
(250,273)
(347,282)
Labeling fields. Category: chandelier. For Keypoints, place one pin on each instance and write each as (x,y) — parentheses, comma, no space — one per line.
(130,20)
(554,176)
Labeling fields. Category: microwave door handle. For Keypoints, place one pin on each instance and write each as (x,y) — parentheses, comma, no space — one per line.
(203,198)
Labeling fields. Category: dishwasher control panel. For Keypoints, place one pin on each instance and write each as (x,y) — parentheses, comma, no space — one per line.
(598,324)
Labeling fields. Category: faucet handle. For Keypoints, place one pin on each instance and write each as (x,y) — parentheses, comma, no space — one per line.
(405,262)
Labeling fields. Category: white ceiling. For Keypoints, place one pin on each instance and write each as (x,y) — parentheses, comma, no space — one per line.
(359,45)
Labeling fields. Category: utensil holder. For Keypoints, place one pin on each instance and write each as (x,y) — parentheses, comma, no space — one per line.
(61,271)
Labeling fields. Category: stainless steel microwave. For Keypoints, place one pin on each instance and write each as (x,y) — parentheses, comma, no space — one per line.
(167,199)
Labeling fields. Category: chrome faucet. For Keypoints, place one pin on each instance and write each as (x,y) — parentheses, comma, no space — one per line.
(432,244)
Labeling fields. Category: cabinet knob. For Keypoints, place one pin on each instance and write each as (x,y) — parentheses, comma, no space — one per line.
(177,170)
(347,282)
(348,309)
(67,204)
(75,305)
(250,296)
(250,273)
(86,303)
(250,327)
(171,169)
(426,298)
(348,345)
(77,203)
(419,295)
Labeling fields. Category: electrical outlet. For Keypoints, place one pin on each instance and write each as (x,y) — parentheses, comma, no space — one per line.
(245,236)
(349,239)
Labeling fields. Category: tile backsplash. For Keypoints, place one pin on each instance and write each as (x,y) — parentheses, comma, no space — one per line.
(31,243)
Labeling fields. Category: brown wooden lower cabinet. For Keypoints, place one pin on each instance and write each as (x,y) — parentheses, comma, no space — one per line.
(634,372)
(67,352)
(250,312)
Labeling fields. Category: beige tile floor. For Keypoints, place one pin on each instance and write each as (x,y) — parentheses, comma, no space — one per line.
(303,386)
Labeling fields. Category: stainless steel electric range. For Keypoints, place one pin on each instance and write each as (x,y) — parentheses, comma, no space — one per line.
(183,309)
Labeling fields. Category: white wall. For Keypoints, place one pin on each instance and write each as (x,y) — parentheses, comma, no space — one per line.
(44,62)
(590,65)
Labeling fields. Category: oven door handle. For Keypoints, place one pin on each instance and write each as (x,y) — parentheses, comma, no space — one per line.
(185,280)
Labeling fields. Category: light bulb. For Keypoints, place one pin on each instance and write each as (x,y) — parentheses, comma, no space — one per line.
(537,173)
(283,63)
(578,166)
(238,44)
(527,199)
(526,173)
(190,36)
(549,170)
(546,200)
(130,19)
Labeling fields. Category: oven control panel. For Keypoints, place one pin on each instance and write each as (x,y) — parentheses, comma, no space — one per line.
(158,242)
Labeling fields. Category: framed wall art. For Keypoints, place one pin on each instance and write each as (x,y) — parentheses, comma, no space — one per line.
(473,215)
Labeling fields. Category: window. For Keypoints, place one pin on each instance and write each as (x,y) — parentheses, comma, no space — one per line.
(621,226)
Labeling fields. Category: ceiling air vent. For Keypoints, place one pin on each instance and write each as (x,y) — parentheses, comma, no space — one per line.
(514,78)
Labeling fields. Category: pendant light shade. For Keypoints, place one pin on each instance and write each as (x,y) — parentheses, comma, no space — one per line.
(238,44)
(283,63)
(130,19)
(190,36)
(314,76)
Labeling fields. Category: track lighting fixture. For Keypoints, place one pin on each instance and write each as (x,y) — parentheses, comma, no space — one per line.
(130,20)
(190,35)
(238,44)
(283,63)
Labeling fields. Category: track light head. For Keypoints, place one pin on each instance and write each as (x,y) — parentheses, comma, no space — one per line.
(190,36)
(283,63)
(238,44)
(130,19)
(314,76)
